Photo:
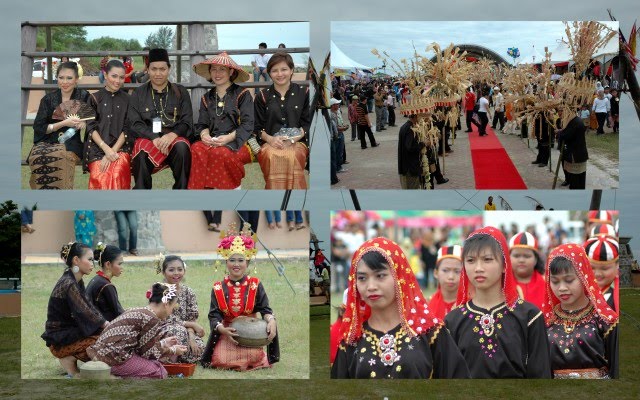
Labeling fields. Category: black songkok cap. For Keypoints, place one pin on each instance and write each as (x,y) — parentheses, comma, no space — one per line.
(159,55)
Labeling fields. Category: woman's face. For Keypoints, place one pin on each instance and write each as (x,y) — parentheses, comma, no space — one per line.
(605,273)
(281,73)
(568,289)
(174,272)
(237,266)
(85,262)
(376,288)
(484,270)
(116,266)
(67,80)
(170,307)
(448,274)
(114,79)
(523,262)
(220,75)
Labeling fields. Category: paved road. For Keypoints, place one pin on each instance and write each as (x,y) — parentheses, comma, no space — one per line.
(377,168)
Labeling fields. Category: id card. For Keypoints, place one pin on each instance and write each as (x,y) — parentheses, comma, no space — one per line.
(156,124)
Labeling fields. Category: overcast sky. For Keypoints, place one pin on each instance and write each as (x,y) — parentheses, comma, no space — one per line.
(357,38)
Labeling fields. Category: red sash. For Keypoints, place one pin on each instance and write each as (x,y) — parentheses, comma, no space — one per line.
(154,153)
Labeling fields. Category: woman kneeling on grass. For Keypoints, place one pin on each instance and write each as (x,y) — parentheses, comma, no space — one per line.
(133,343)
(73,323)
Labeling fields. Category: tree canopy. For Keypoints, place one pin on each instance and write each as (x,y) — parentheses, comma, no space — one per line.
(163,38)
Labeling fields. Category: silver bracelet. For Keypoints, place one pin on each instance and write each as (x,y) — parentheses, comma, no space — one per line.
(215,329)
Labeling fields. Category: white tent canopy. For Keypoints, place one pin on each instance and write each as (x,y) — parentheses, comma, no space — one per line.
(341,60)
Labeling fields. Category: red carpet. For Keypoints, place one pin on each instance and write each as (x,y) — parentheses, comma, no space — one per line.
(492,167)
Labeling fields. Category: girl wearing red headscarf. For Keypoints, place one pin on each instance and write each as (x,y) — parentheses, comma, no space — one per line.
(499,335)
(447,273)
(387,329)
(528,267)
(581,326)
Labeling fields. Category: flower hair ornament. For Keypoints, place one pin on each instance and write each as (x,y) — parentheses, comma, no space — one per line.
(159,260)
(237,242)
(100,247)
(66,249)
(169,293)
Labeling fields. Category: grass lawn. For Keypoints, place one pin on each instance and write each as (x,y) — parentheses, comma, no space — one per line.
(607,144)
(320,387)
(292,311)
(253,178)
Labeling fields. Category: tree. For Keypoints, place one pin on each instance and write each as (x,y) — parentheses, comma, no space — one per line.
(63,38)
(9,240)
(163,38)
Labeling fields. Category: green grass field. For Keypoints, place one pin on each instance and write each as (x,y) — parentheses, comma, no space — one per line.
(292,311)
(320,387)
(607,144)
(253,178)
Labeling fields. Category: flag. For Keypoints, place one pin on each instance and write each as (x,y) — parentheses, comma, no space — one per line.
(632,40)
(629,52)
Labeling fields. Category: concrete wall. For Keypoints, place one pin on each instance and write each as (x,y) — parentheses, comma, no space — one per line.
(180,231)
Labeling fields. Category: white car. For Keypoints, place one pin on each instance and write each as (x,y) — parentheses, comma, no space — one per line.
(40,67)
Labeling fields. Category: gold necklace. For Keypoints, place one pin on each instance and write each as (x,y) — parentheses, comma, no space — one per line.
(571,319)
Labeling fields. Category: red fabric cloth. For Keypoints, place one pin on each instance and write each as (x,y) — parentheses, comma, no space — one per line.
(128,68)
(155,155)
(533,292)
(582,267)
(116,177)
(438,306)
(414,311)
(509,290)
(217,167)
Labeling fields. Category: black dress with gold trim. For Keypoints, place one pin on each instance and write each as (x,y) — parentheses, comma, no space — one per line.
(230,299)
(500,343)
(396,355)
(582,345)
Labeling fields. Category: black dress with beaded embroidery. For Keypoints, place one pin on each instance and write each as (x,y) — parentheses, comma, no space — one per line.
(111,120)
(395,355)
(500,343)
(583,340)
(216,315)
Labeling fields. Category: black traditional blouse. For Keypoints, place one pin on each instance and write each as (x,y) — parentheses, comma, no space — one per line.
(396,355)
(272,111)
(583,340)
(43,118)
(500,343)
(172,105)
(111,121)
(104,296)
(216,315)
(575,145)
(235,114)
(70,316)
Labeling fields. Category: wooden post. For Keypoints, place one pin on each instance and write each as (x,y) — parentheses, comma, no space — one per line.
(49,58)
(196,42)
(29,34)
(179,59)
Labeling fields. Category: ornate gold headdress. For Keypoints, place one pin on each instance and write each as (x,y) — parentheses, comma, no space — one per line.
(65,250)
(159,260)
(234,242)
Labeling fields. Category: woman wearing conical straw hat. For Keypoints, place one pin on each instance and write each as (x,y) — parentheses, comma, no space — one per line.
(224,125)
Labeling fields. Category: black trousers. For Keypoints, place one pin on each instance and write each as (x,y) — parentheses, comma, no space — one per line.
(576,181)
(484,121)
(498,116)
(252,217)
(392,116)
(213,217)
(362,129)
(543,153)
(179,160)
(470,120)
(601,117)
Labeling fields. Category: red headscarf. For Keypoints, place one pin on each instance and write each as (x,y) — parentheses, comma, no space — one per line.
(412,306)
(509,286)
(578,258)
